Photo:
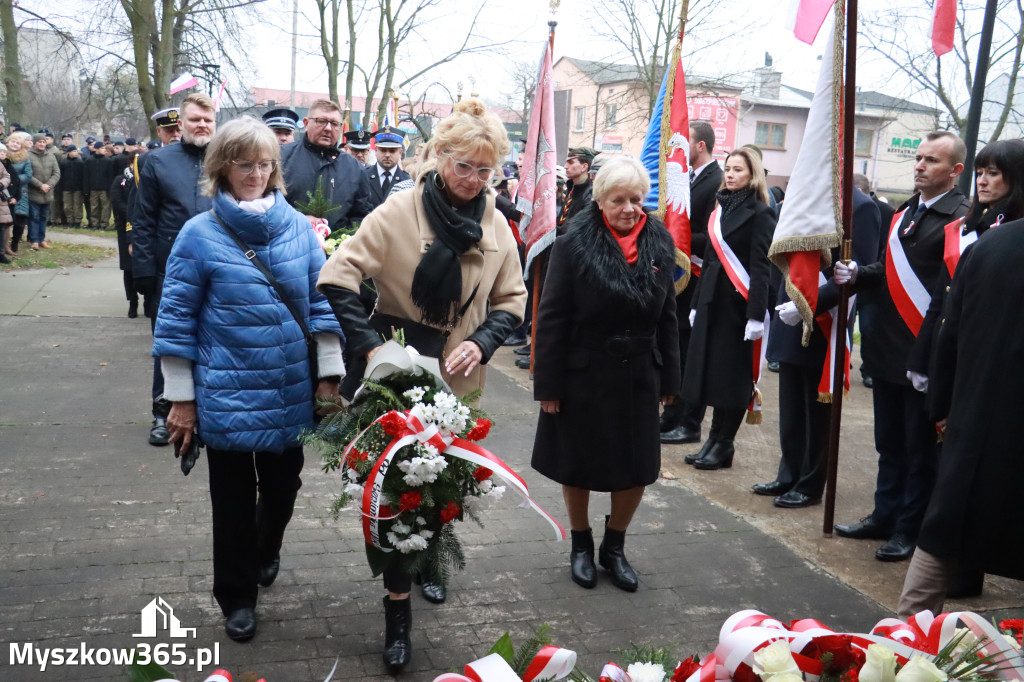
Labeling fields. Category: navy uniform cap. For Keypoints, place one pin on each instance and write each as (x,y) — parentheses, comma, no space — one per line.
(358,139)
(131,141)
(152,144)
(281,118)
(389,137)
(165,118)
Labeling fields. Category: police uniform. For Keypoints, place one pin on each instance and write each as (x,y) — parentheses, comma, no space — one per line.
(358,141)
(381,179)
(284,122)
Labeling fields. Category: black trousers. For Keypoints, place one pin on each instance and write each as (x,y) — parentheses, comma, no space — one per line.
(907,457)
(253,496)
(153,305)
(803,430)
(725,423)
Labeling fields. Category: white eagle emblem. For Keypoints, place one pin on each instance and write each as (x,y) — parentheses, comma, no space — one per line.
(677,182)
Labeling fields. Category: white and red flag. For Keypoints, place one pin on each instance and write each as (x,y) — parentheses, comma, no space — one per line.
(536,192)
(805,19)
(183,82)
(810,224)
(943,26)
(674,183)
(220,95)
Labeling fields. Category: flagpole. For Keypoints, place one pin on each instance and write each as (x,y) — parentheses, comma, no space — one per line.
(538,262)
(840,361)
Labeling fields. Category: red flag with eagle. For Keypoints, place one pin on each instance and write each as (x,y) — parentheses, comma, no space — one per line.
(675,180)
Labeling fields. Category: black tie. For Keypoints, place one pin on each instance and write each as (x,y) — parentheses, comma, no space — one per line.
(692,175)
(386,185)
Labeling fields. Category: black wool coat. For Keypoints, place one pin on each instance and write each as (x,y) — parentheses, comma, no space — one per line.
(980,346)
(607,348)
(376,191)
(719,363)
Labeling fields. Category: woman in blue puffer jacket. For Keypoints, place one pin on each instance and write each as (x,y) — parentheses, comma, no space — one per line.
(235,361)
(18,144)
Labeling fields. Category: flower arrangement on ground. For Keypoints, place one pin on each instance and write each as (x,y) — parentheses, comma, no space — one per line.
(410,462)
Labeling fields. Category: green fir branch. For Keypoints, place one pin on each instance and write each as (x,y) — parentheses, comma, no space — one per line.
(528,651)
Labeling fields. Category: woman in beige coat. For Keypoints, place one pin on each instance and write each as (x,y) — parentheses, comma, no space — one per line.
(446,270)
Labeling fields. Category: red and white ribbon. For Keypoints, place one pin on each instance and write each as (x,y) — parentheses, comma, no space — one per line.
(956,242)
(419,430)
(613,673)
(910,296)
(219,676)
(827,323)
(550,663)
(321,228)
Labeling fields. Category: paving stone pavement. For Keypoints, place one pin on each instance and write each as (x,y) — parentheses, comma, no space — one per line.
(95,524)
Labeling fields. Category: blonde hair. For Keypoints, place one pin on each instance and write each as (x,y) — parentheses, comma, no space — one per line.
(470,131)
(198,99)
(242,138)
(758,181)
(26,141)
(621,172)
(322,105)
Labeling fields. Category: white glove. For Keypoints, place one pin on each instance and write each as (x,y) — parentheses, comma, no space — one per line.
(920,381)
(789,314)
(693,315)
(753,331)
(844,273)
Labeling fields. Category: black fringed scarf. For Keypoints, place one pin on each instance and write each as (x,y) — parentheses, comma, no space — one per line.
(731,199)
(437,282)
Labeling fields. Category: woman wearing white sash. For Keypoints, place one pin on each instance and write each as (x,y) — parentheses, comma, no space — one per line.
(729,306)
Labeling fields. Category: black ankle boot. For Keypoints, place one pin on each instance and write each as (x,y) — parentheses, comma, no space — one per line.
(690,459)
(397,628)
(612,558)
(133,309)
(718,457)
(581,558)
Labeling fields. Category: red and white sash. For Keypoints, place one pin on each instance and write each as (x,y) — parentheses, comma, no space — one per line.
(910,296)
(740,279)
(956,243)
(827,323)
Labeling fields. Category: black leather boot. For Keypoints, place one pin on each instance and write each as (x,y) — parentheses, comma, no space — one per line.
(612,559)
(690,459)
(397,628)
(581,558)
(718,457)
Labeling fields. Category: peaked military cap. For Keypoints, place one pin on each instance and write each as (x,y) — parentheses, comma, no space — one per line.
(358,139)
(388,137)
(165,118)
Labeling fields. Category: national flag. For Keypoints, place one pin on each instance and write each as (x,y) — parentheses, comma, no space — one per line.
(183,82)
(943,26)
(805,18)
(666,155)
(537,192)
(220,95)
(810,224)
(391,113)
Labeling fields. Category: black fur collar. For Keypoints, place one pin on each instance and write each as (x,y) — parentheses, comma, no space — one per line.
(602,265)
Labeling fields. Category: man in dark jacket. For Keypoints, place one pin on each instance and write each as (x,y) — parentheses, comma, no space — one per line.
(904,436)
(384,174)
(168,196)
(97,183)
(316,161)
(578,189)
(72,179)
(681,421)
(803,420)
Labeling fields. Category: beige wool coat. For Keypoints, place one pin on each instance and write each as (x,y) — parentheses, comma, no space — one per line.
(389,245)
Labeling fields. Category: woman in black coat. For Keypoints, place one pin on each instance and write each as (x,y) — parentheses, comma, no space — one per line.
(719,362)
(118,193)
(606,354)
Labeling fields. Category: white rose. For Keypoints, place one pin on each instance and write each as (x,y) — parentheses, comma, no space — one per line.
(968,640)
(920,669)
(774,659)
(1013,641)
(879,664)
(646,672)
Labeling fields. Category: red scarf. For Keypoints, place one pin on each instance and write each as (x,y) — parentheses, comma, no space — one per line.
(627,241)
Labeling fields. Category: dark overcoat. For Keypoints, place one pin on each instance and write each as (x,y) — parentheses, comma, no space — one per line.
(344,183)
(980,344)
(376,191)
(607,348)
(719,363)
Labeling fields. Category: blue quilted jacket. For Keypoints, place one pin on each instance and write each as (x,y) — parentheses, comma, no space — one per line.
(250,365)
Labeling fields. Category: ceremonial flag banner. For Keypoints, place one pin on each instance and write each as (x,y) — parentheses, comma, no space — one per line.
(810,223)
(943,26)
(536,193)
(805,19)
(666,155)
(183,82)
(220,96)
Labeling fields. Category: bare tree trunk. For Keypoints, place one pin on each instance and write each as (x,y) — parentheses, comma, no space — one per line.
(329,43)
(12,66)
(142,18)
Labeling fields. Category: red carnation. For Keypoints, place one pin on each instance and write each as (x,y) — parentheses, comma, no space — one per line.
(410,500)
(480,431)
(393,424)
(685,669)
(851,675)
(482,474)
(384,510)
(449,512)
(843,655)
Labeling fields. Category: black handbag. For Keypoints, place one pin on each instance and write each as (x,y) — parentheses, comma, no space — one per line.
(272,281)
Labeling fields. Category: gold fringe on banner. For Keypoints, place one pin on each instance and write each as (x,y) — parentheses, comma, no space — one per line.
(754,416)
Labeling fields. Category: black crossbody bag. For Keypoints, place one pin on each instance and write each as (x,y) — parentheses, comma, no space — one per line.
(272,281)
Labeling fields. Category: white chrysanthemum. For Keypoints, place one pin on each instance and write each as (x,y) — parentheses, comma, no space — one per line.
(415,394)
(485,486)
(420,521)
(351,475)
(401,528)
(355,491)
(646,672)
(420,470)
(413,543)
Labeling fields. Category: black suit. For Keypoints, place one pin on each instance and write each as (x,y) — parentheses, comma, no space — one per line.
(372,174)
(702,203)
(904,436)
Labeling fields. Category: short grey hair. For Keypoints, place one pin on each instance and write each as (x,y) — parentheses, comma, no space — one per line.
(621,172)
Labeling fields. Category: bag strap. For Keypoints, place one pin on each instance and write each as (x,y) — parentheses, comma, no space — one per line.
(251,255)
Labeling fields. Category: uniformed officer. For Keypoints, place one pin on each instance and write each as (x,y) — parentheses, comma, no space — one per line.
(168,128)
(284,122)
(357,143)
(385,173)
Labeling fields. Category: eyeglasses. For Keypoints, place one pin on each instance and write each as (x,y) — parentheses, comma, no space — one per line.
(247,167)
(326,122)
(464,170)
